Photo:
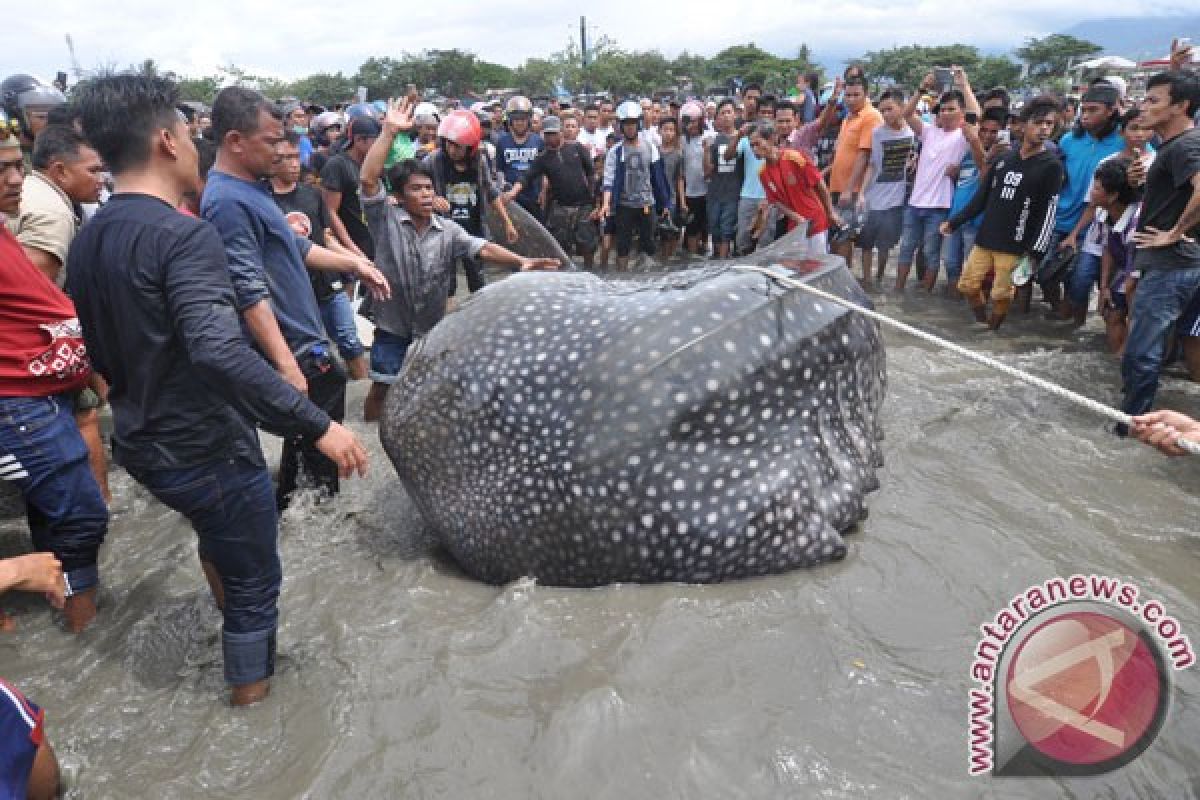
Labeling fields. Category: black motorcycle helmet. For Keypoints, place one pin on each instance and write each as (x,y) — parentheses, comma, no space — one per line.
(22,93)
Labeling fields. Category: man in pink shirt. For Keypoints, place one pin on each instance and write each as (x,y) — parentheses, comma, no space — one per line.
(943,146)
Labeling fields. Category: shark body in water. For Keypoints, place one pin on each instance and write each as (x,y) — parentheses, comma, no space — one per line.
(697,426)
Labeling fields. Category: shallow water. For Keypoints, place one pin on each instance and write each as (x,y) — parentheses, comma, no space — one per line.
(400,678)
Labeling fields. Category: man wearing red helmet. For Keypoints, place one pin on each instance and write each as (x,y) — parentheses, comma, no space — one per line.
(463,183)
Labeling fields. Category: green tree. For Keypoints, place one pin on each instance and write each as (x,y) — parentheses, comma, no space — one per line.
(385,77)
(1053,55)
(324,88)
(201,90)
(995,71)
(536,76)
(624,73)
(906,66)
(488,75)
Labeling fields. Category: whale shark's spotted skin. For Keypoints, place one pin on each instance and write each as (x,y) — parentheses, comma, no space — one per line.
(701,426)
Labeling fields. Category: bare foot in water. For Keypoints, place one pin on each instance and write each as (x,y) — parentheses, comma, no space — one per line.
(80,609)
(250,693)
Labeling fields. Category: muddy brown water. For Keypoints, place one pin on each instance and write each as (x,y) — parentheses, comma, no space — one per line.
(399,678)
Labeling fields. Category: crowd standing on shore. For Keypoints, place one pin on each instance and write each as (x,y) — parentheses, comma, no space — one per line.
(196,269)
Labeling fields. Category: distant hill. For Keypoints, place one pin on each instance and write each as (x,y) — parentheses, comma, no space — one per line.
(1139,38)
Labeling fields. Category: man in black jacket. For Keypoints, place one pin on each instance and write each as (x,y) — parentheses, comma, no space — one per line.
(157,307)
(1017,199)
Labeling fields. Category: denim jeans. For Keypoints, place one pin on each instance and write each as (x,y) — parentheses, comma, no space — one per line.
(1161,297)
(338,315)
(722,219)
(387,356)
(921,230)
(1083,279)
(957,247)
(231,506)
(43,455)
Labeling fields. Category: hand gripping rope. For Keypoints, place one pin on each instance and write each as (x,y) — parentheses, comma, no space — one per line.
(1113,414)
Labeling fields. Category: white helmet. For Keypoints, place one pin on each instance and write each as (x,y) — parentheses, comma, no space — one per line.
(518,104)
(630,109)
(426,113)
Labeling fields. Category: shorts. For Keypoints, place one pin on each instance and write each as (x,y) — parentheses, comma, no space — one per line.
(882,229)
(387,356)
(573,228)
(698,224)
(722,219)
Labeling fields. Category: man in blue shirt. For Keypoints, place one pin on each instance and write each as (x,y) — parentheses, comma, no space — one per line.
(752,202)
(267,262)
(515,152)
(1096,136)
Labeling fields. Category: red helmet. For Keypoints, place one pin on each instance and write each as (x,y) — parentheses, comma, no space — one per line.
(461,127)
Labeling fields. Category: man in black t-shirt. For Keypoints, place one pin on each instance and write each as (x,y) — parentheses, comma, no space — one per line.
(571,217)
(308,216)
(1168,235)
(464,184)
(160,319)
(339,186)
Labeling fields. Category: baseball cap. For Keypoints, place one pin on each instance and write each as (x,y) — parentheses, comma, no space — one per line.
(365,126)
(552,124)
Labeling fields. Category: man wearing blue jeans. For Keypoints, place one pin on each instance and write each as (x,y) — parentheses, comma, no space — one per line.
(42,360)
(1168,235)
(308,216)
(943,146)
(158,309)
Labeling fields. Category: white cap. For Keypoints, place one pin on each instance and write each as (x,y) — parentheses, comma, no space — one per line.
(1121,85)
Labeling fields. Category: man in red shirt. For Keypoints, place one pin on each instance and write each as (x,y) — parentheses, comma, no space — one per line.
(43,360)
(793,185)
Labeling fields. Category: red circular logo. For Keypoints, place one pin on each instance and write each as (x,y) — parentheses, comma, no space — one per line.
(1084,688)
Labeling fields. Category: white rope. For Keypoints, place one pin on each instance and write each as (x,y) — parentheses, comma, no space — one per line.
(1058,391)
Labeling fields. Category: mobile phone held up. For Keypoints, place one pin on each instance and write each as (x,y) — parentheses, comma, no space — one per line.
(944,78)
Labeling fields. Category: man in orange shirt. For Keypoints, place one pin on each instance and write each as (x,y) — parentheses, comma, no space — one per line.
(853,149)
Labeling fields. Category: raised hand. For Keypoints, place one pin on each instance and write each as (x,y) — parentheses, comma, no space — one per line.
(399,115)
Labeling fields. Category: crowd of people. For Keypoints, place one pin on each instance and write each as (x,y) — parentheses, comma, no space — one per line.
(196,269)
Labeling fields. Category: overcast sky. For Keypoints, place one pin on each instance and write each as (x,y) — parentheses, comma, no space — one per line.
(299,37)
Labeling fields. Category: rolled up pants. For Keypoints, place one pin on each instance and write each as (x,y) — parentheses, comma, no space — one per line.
(231,506)
(980,262)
